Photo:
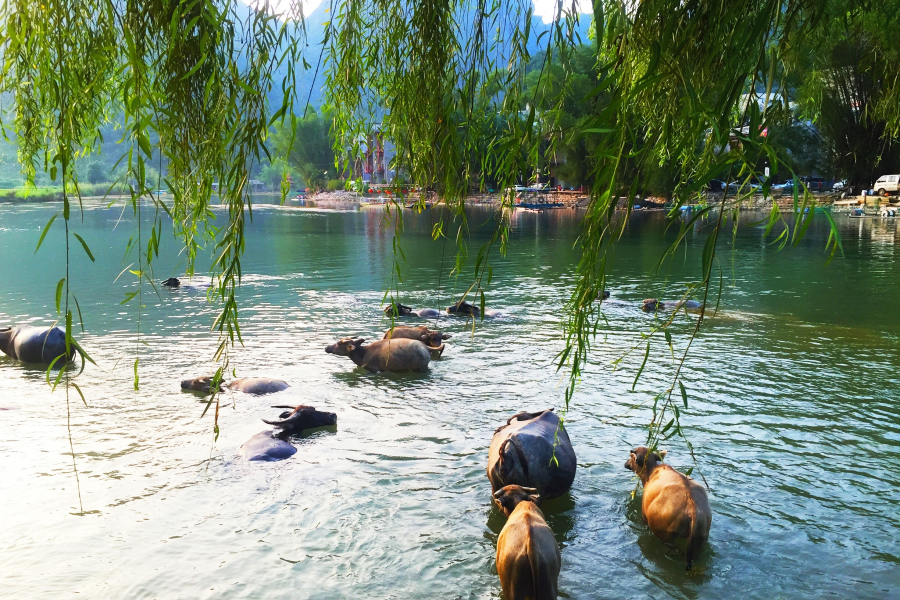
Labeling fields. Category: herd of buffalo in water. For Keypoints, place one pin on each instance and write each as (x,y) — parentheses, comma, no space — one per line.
(530,459)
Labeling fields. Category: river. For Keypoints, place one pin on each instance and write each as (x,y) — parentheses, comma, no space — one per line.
(793,395)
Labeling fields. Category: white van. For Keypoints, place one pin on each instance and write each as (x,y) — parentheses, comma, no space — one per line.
(886,185)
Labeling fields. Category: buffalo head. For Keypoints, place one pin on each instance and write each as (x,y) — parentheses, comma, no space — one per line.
(199,384)
(463,308)
(507,498)
(639,459)
(434,339)
(344,346)
(652,305)
(395,309)
(302,417)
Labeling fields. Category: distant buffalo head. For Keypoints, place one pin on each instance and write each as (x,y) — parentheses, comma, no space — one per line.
(641,459)
(507,498)
(199,384)
(172,282)
(302,417)
(652,305)
(463,308)
(397,310)
(344,346)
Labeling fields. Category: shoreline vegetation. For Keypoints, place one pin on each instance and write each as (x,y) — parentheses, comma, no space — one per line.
(568,199)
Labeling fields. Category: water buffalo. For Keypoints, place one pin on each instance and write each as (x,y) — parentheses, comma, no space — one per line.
(654,305)
(267,446)
(674,505)
(603,294)
(427,336)
(532,449)
(172,282)
(401,310)
(249,385)
(302,417)
(528,558)
(384,355)
(31,344)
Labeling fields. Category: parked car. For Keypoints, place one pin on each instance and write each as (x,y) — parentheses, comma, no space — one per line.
(839,185)
(886,185)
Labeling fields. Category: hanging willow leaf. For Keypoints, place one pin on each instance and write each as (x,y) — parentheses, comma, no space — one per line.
(643,364)
(44,232)
(85,246)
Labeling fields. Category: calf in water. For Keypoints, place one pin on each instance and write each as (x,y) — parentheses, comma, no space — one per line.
(674,505)
(528,559)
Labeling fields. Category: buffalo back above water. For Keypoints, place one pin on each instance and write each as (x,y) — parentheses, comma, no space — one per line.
(522,453)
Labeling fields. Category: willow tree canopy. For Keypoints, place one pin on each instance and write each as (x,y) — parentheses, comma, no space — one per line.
(679,81)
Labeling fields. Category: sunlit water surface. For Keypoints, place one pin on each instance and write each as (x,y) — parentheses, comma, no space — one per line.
(793,395)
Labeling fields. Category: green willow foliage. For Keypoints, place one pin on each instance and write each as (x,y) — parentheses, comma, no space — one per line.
(678,82)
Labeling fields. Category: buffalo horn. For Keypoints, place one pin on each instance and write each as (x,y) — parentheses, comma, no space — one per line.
(292,418)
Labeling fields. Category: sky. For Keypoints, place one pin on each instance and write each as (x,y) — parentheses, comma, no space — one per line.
(544,9)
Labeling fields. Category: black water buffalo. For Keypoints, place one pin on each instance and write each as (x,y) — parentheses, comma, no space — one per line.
(385,355)
(532,450)
(31,344)
(674,505)
(528,558)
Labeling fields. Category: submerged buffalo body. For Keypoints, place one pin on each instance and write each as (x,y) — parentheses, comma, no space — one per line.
(267,446)
(249,385)
(258,385)
(31,344)
(522,453)
(385,355)
(429,337)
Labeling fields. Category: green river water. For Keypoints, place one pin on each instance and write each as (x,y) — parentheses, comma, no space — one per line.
(793,414)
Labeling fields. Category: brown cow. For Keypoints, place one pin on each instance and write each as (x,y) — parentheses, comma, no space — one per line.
(674,505)
(429,337)
(527,553)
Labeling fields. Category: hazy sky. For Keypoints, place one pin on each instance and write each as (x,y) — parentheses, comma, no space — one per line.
(542,8)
